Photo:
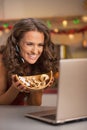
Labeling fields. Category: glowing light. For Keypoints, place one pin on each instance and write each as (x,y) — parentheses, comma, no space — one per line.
(84,18)
(5,25)
(71,36)
(76,21)
(56,30)
(49,24)
(65,23)
(84,43)
(6,30)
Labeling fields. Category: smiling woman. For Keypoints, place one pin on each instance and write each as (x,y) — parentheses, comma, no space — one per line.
(28,51)
(31,46)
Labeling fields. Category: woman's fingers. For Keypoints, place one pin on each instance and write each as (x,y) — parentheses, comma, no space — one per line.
(51,82)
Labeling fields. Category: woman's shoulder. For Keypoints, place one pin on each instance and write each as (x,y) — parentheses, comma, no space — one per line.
(1,56)
(2,66)
(2,48)
(1,61)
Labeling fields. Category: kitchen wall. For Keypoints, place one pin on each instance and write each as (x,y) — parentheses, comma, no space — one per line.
(16,9)
(11,9)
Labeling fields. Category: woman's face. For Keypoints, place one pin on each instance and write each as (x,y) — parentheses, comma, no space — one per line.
(31,46)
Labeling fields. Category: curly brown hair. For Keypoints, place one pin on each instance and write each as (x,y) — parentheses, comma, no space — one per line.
(11,57)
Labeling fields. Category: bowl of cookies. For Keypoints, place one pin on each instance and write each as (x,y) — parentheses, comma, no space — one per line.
(35,82)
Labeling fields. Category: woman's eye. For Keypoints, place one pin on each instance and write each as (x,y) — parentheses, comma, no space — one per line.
(41,45)
(32,44)
(28,43)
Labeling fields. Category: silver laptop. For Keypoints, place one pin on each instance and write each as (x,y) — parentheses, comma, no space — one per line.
(71,102)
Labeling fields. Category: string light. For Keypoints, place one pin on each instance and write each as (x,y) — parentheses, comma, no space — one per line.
(56,30)
(71,36)
(7,30)
(84,18)
(64,23)
(54,26)
(84,43)
(76,21)
(49,24)
(5,25)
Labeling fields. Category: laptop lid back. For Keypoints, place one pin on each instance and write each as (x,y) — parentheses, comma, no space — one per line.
(72,91)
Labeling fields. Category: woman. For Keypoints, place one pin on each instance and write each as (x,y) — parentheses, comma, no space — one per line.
(28,51)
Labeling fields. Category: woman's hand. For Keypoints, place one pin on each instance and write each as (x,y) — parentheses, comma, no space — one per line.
(16,83)
(51,82)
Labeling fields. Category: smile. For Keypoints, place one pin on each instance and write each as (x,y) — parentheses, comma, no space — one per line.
(33,57)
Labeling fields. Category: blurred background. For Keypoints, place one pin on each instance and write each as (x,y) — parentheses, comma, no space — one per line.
(67,20)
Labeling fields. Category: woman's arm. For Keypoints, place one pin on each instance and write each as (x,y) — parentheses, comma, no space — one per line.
(6,97)
(35,98)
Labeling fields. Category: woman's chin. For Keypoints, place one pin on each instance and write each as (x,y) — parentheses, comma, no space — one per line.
(32,62)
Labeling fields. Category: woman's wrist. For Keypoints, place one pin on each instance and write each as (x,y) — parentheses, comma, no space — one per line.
(14,89)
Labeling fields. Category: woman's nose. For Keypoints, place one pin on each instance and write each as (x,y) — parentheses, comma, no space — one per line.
(35,50)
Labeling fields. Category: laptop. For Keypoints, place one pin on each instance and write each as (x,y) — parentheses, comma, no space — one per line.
(71,104)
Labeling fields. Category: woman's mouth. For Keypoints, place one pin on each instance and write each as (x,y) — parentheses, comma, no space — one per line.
(33,57)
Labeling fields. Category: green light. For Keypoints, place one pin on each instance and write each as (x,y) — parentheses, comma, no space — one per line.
(49,24)
(76,21)
(5,25)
